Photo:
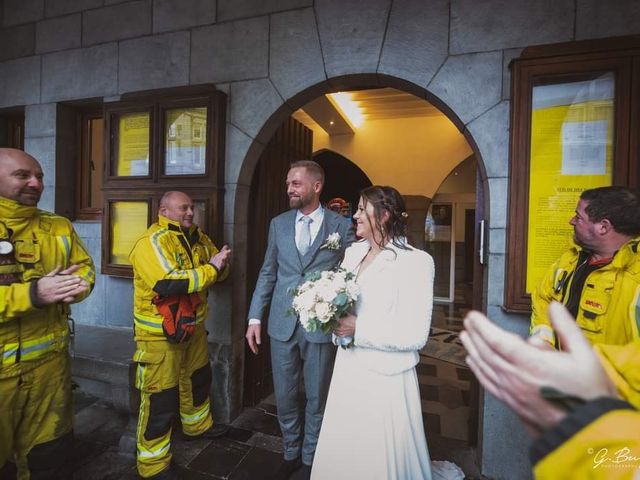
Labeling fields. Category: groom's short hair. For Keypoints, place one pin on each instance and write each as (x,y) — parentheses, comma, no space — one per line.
(313,168)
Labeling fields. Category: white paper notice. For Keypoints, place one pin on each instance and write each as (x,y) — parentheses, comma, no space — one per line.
(584,148)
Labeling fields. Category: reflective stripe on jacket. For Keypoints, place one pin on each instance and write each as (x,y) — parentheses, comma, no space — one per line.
(42,241)
(164,263)
(609,309)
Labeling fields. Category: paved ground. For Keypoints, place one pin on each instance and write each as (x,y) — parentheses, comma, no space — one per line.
(251,451)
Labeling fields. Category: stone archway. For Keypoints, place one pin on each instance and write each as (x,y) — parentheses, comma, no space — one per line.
(240,142)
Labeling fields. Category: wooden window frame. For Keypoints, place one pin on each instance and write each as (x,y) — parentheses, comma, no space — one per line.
(207,187)
(618,55)
(85,212)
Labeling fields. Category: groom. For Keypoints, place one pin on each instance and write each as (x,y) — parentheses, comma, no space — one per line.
(297,246)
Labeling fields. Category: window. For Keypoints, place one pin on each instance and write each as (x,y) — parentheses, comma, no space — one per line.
(170,141)
(12,128)
(89,189)
(574,122)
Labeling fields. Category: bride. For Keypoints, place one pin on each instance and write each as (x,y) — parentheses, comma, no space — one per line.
(372,425)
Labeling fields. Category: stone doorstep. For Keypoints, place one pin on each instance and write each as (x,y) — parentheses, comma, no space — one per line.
(101,364)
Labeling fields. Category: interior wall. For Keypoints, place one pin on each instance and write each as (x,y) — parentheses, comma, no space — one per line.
(414,155)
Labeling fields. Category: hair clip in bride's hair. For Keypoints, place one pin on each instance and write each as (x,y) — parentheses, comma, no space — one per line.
(404,215)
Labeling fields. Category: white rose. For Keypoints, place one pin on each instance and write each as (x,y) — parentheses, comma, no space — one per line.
(353,290)
(324,311)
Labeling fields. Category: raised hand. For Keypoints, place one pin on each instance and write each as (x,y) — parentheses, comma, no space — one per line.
(221,259)
(515,371)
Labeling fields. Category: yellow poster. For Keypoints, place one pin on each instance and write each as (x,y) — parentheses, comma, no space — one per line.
(571,151)
(133,145)
(128,223)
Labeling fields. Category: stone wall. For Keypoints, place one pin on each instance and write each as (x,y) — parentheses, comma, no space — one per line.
(272,56)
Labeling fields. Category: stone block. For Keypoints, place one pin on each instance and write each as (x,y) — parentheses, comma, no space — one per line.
(119,314)
(17,41)
(596,19)
(80,73)
(416,41)
(59,33)
(469,84)
(48,199)
(496,24)
(491,133)
(20,82)
(507,57)
(54,8)
(498,424)
(236,204)
(154,62)
(497,240)
(495,279)
(252,104)
(295,58)
(22,11)
(231,51)
(182,14)
(351,34)
(131,19)
(515,323)
(40,120)
(231,9)
(237,144)
(91,311)
(498,202)
(43,149)
(218,322)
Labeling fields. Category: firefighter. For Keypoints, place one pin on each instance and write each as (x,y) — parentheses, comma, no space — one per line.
(44,267)
(598,280)
(174,263)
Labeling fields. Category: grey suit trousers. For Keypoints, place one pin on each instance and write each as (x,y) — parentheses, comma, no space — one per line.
(314,362)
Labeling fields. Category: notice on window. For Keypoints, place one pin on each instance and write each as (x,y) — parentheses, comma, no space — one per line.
(133,145)
(584,148)
(571,151)
(128,223)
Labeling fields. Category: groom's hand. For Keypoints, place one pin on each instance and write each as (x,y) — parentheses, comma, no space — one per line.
(253,337)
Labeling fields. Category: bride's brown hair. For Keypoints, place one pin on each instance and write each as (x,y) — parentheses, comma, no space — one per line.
(386,198)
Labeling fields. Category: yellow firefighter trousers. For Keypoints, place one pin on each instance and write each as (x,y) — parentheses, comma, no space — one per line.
(170,378)
(36,419)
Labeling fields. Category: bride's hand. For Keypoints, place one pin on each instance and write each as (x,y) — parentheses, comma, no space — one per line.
(346,326)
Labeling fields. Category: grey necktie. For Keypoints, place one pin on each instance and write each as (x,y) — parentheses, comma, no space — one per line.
(304,242)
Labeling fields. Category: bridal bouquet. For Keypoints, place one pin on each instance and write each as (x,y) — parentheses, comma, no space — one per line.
(323,298)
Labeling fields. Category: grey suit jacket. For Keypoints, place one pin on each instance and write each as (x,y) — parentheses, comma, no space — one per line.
(284,269)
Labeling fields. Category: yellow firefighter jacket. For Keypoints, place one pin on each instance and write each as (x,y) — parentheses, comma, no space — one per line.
(41,242)
(601,439)
(609,308)
(166,261)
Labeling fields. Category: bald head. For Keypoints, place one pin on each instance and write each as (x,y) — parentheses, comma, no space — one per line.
(20,177)
(177,206)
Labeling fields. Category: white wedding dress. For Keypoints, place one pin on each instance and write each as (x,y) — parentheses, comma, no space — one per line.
(372,426)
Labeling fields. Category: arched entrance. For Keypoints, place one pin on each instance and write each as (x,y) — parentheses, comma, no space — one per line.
(245,203)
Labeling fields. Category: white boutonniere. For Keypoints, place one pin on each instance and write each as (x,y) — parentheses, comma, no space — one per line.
(332,242)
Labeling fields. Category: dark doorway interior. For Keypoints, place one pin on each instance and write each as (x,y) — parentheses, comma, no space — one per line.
(344,178)
(268,198)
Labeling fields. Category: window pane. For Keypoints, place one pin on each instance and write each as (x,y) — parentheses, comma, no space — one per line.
(185,141)
(438,240)
(133,145)
(572,135)
(96,154)
(128,223)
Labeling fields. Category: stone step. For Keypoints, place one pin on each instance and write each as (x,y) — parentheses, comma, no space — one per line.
(102,366)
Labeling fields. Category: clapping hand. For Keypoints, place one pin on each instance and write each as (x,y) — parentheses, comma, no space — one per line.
(221,259)
(515,370)
(60,286)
